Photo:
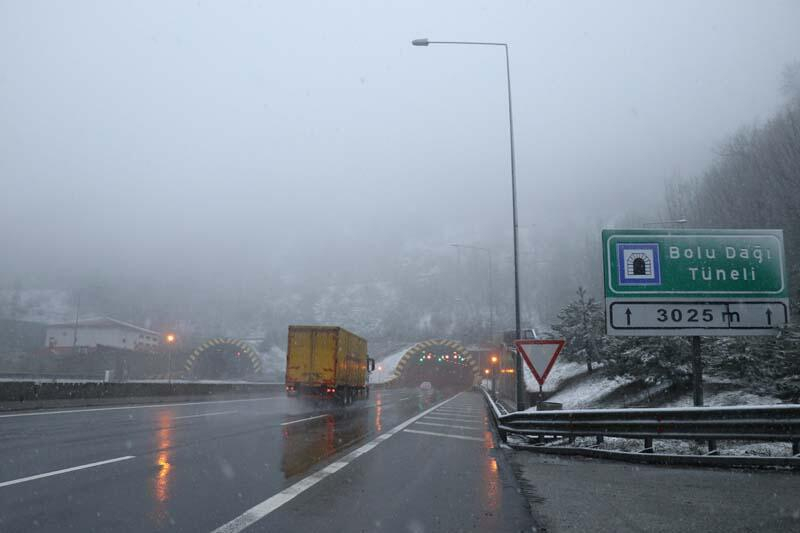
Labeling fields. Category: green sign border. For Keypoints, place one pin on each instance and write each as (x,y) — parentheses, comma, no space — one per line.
(608,235)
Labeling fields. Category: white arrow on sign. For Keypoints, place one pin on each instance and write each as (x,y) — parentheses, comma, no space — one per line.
(541,354)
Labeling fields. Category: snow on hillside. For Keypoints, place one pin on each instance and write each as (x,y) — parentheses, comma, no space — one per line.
(359,307)
(587,392)
(37,305)
(273,362)
(726,398)
(561,371)
(384,369)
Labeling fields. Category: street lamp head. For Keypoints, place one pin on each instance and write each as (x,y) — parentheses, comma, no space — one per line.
(420,42)
(170,338)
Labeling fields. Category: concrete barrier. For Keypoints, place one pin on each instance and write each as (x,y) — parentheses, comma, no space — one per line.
(31,395)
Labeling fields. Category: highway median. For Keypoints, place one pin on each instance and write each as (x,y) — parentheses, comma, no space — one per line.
(26,395)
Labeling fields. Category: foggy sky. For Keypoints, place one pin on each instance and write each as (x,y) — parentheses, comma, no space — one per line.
(205,140)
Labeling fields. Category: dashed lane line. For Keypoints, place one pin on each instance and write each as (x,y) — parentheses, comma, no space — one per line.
(65,470)
(204,414)
(304,419)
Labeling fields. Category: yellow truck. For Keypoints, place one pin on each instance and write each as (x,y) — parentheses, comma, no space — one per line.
(327,362)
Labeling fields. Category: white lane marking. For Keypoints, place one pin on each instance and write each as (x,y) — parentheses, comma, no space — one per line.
(449,425)
(204,414)
(303,419)
(464,411)
(456,418)
(148,406)
(462,437)
(382,404)
(272,503)
(65,470)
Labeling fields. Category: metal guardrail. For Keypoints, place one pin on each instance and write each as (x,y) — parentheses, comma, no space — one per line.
(776,423)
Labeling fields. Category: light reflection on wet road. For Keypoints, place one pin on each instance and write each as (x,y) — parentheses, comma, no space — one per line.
(442,477)
(162,477)
(199,463)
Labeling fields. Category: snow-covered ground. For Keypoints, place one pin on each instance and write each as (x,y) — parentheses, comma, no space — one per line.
(384,369)
(685,447)
(725,398)
(561,371)
(586,392)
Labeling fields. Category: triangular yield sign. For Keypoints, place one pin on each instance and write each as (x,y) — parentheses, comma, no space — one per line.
(541,354)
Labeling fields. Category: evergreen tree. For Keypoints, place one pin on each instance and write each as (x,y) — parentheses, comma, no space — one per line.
(650,359)
(581,324)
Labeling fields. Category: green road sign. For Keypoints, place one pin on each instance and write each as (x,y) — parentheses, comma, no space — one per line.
(694,282)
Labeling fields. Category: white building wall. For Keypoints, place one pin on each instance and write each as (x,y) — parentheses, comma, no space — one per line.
(117,337)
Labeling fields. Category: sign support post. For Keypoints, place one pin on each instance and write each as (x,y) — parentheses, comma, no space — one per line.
(697,372)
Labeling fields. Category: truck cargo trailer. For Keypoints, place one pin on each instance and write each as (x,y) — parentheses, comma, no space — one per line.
(327,363)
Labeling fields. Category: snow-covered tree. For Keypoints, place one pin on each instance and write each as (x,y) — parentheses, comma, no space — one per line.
(650,359)
(581,324)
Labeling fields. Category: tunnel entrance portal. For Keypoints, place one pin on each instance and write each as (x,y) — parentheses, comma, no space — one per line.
(223,358)
(444,363)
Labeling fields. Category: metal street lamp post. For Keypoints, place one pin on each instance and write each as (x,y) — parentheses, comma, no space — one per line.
(170,339)
(520,389)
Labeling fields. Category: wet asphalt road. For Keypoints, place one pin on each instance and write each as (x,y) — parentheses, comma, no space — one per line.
(273,464)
